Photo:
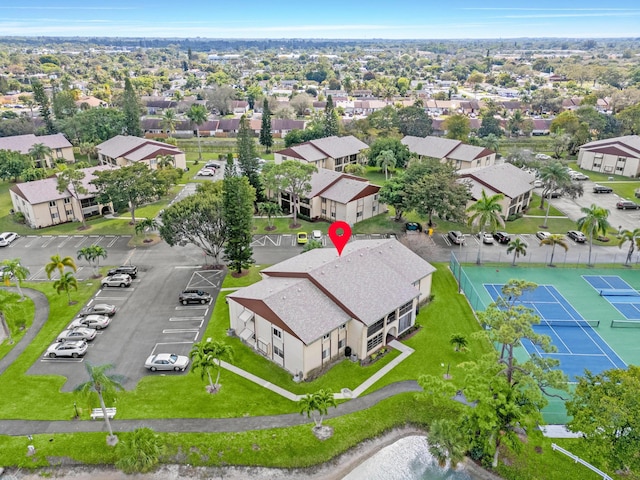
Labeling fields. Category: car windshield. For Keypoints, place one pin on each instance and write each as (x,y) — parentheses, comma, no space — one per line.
(173,358)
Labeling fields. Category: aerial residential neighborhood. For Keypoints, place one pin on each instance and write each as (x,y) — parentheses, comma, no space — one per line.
(176,298)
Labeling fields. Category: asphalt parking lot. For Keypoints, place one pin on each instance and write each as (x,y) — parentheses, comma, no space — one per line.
(149,320)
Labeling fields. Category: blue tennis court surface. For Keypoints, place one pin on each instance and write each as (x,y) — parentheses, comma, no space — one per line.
(579,345)
(618,293)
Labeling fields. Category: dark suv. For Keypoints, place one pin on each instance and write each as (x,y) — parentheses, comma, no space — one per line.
(627,205)
(130,270)
(194,296)
(502,237)
(602,189)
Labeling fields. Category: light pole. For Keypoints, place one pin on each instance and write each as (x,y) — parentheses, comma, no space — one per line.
(446,376)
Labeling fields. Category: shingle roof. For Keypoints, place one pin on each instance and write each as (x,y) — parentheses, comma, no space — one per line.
(135,148)
(328,147)
(436,147)
(505,178)
(468,153)
(24,143)
(628,143)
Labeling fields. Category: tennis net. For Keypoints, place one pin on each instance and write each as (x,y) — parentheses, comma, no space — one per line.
(625,323)
(570,323)
(612,292)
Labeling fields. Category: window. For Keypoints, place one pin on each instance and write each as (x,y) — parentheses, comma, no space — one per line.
(324,211)
(54,215)
(277,333)
(358,214)
(391,317)
(341,344)
(343,326)
(325,353)
(326,336)
(52,203)
(375,327)
(69,213)
(67,200)
(406,308)
(374,342)
(278,351)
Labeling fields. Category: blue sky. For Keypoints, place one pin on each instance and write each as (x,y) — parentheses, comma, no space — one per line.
(357,19)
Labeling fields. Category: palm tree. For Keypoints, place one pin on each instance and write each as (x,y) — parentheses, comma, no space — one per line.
(104,385)
(317,405)
(165,161)
(386,160)
(39,151)
(459,341)
(553,240)
(633,237)
(486,213)
(594,222)
(207,355)
(169,120)
(518,247)
(146,224)
(553,176)
(65,283)
(92,254)
(446,442)
(13,269)
(198,115)
(269,209)
(88,149)
(491,141)
(59,263)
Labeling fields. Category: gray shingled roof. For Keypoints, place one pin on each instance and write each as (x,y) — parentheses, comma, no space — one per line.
(371,278)
(308,152)
(24,143)
(505,178)
(344,190)
(307,311)
(625,143)
(435,147)
(128,147)
(468,153)
(337,147)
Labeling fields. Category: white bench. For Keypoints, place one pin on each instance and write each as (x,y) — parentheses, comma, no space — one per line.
(98,413)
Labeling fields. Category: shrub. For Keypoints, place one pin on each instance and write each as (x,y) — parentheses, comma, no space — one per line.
(139,451)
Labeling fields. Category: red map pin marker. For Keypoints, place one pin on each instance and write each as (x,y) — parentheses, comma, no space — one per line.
(339,239)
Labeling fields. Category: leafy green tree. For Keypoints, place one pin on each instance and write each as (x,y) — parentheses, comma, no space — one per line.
(317,405)
(414,121)
(104,386)
(208,355)
(432,188)
(144,225)
(269,209)
(65,283)
(291,177)
(238,197)
(13,269)
(518,247)
(42,99)
(13,165)
(139,451)
(331,124)
(93,254)
(633,237)
(311,245)
(486,215)
(459,341)
(447,442)
(70,180)
(515,123)
(131,110)
(554,176)
(629,119)
(247,157)
(604,409)
(59,263)
(458,127)
(89,149)
(553,240)
(95,125)
(356,169)
(169,120)
(491,142)
(384,121)
(400,151)
(132,185)
(199,220)
(198,115)
(385,161)
(490,126)
(393,193)
(39,152)
(266,137)
(593,223)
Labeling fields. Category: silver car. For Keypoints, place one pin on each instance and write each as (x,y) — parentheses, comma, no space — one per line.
(67,349)
(78,333)
(91,321)
(167,361)
(7,237)
(118,280)
(98,309)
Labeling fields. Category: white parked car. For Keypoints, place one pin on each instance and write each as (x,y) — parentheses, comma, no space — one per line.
(67,349)
(78,333)
(542,235)
(119,280)
(6,238)
(207,172)
(91,321)
(486,238)
(166,361)
(316,235)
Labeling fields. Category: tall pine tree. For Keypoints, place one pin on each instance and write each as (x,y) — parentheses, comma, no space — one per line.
(238,197)
(131,110)
(266,138)
(330,123)
(248,160)
(40,96)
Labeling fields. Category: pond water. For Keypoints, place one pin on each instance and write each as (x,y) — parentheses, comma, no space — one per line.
(406,459)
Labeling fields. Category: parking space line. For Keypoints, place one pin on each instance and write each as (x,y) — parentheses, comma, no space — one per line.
(183,330)
(112,242)
(59,359)
(83,239)
(153,351)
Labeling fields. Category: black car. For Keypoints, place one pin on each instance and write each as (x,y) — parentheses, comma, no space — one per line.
(576,236)
(627,205)
(502,237)
(194,296)
(413,227)
(602,189)
(130,270)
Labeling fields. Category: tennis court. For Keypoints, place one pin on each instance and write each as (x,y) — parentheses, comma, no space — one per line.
(622,296)
(579,346)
